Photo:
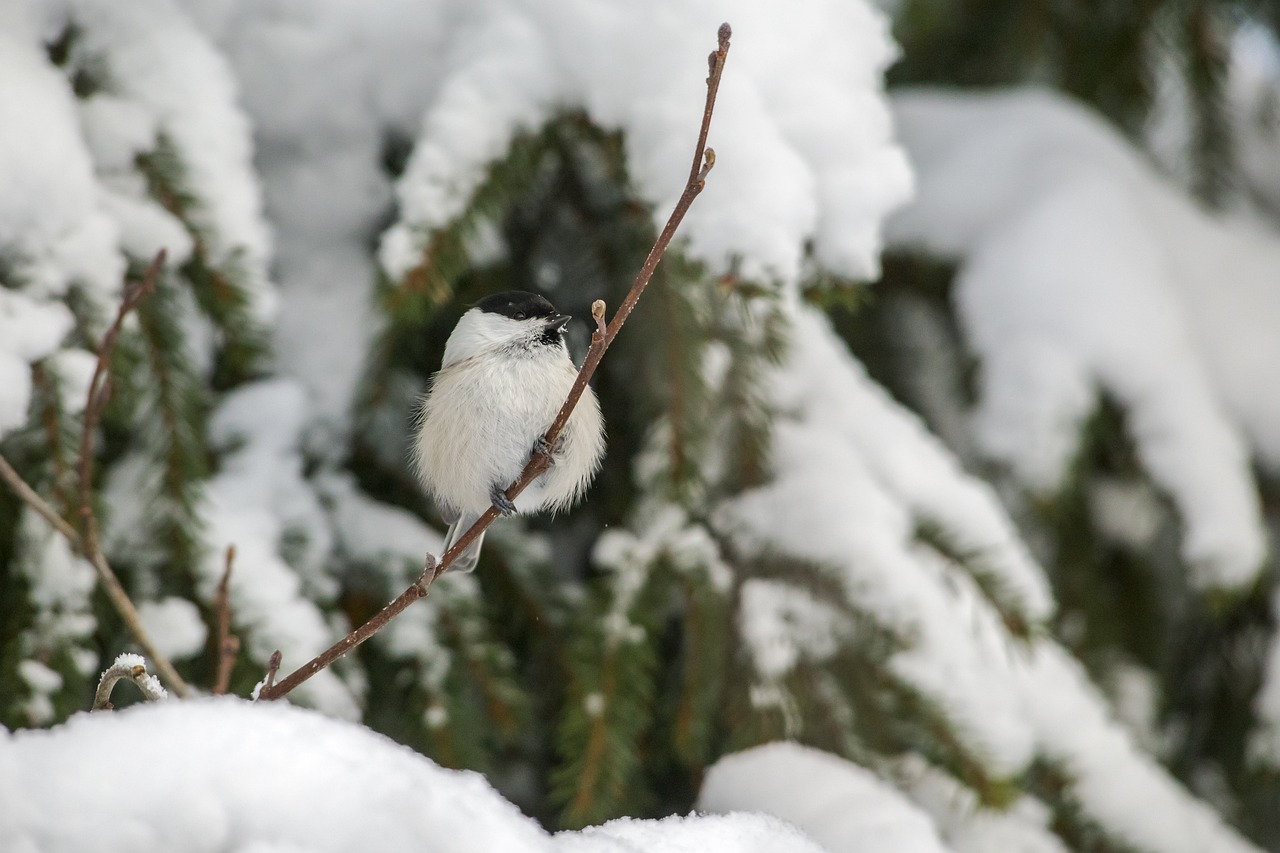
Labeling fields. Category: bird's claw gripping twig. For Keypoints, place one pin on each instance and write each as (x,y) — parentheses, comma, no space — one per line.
(542,448)
(500,500)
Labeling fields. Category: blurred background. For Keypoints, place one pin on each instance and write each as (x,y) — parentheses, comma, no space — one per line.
(944,442)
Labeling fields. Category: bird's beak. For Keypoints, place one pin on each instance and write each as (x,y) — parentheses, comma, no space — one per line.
(557,323)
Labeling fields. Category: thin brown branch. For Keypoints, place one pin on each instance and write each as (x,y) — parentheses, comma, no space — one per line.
(228,643)
(86,544)
(32,499)
(98,391)
(132,668)
(88,541)
(115,592)
(703,160)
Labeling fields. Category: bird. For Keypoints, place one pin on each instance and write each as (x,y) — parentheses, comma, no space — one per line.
(505,374)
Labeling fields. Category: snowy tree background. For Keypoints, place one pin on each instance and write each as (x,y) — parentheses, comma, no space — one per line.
(941,483)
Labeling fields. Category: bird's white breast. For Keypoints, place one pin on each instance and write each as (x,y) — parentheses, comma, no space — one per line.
(483,416)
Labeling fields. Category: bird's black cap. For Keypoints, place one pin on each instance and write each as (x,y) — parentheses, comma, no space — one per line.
(518,305)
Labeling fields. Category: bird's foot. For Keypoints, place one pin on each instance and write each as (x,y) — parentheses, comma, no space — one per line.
(505,505)
(542,448)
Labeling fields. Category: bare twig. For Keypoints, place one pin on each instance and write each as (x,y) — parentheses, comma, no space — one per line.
(94,404)
(703,160)
(228,643)
(98,392)
(133,668)
(33,500)
(115,592)
(273,667)
(86,542)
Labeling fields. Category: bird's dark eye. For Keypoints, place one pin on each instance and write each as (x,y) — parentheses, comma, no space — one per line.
(519,315)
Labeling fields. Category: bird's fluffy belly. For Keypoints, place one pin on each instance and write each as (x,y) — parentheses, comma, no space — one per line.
(480,424)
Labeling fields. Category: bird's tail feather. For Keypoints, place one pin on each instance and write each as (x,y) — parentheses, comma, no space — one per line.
(466,561)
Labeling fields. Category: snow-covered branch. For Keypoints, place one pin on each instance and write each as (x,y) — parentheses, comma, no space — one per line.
(128,667)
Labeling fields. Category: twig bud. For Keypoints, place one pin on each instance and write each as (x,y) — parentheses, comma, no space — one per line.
(427,577)
(724,34)
(263,690)
(708,162)
(597,312)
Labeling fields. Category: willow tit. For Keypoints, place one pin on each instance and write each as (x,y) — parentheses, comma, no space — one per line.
(506,372)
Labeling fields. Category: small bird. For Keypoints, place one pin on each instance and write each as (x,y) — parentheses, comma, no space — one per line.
(506,372)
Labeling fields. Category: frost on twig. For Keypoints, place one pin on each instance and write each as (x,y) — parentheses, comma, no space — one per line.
(133,668)
(704,159)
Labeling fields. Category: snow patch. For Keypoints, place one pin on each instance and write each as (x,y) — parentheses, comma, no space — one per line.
(1069,243)
(175,626)
(804,143)
(842,806)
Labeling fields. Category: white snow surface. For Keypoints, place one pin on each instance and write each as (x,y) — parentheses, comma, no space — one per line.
(175,626)
(731,833)
(1083,271)
(225,774)
(835,501)
(844,807)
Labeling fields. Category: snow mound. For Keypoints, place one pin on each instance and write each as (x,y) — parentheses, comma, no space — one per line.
(844,807)
(225,774)
(1070,245)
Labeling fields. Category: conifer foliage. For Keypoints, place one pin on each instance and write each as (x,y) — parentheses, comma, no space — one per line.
(810,525)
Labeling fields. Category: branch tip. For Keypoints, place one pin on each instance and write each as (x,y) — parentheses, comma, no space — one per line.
(724,34)
(273,667)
